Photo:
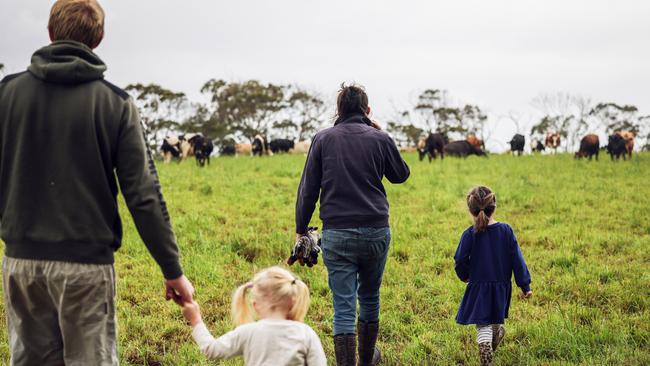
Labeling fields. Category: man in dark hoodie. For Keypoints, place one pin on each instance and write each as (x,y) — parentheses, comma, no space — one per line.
(345,167)
(68,138)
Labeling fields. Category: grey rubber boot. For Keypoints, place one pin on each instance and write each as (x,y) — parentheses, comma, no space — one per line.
(345,349)
(369,354)
(498,332)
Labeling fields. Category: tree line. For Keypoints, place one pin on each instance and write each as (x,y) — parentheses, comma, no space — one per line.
(238,111)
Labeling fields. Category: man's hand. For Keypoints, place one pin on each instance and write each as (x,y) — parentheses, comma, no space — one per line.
(192,313)
(525,296)
(180,290)
(376,125)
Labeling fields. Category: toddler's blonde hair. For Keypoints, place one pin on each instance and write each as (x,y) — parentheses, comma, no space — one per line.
(271,287)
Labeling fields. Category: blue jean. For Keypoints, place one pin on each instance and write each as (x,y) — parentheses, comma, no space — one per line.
(355,261)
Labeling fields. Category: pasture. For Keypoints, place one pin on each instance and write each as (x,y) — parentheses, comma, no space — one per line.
(584,228)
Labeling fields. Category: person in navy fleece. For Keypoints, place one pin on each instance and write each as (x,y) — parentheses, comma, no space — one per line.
(487,256)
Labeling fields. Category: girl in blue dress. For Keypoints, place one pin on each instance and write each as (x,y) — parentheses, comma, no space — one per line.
(487,256)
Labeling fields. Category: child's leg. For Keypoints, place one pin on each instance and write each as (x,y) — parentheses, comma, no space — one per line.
(498,332)
(484,340)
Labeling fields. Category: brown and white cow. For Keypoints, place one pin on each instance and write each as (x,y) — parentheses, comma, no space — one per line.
(553,141)
(243,149)
(475,141)
(301,147)
(628,137)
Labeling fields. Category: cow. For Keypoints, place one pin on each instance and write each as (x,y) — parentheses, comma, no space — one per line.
(616,146)
(243,149)
(170,148)
(228,150)
(517,144)
(407,149)
(203,148)
(260,146)
(281,145)
(463,149)
(628,137)
(475,141)
(433,144)
(537,146)
(302,147)
(589,146)
(553,141)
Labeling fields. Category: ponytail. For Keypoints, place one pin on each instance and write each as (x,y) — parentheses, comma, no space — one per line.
(241,309)
(481,222)
(300,301)
(481,202)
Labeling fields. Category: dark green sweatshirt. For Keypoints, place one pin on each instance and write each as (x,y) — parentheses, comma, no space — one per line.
(67,139)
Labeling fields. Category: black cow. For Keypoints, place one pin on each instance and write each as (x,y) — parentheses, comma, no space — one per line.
(462,149)
(434,143)
(228,150)
(203,148)
(260,146)
(517,144)
(281,145)
(589,146)
(616,146)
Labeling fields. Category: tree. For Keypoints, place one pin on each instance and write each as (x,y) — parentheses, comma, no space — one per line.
(160,110)
(2,67)
(565,114)
(615,118)
(405,134)
(306,110)
(248,108)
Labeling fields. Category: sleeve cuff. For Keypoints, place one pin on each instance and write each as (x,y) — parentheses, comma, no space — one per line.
(171,271)
(525,289)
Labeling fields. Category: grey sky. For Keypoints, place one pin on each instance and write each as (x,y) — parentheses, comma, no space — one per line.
(497,54)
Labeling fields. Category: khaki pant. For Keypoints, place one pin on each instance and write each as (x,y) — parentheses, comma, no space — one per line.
(60,313)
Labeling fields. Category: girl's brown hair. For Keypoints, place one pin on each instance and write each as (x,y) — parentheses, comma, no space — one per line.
(481,202)
(352,99)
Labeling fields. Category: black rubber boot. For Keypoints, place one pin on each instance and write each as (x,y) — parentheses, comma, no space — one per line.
(345,349)
(369,354)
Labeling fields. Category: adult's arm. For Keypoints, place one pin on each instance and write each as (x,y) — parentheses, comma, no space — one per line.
(139,184)
(396,171)
(462,256)
(309,188)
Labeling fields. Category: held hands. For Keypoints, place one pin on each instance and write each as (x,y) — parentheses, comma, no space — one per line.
(526,295)
(192,313)
(180,290)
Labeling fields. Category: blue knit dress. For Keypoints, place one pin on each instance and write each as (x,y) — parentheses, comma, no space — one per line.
(488,260)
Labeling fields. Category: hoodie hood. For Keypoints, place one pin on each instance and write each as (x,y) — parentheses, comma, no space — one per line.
(66,62)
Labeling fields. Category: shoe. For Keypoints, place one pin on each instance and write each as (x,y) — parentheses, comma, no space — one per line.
(498,332)
(485,353)
(369,354)
(345,349)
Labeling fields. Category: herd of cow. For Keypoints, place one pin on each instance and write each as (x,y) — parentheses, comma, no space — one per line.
(434,145)
(619,144)
(194,144)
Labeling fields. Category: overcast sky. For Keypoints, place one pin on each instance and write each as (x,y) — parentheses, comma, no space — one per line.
(497,54)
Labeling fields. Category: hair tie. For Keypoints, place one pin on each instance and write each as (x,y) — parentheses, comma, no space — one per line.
(249,285)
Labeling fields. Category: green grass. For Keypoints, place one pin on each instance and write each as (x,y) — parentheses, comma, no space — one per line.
(584,228)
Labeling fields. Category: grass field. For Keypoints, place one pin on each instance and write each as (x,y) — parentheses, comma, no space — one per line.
(584,228)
